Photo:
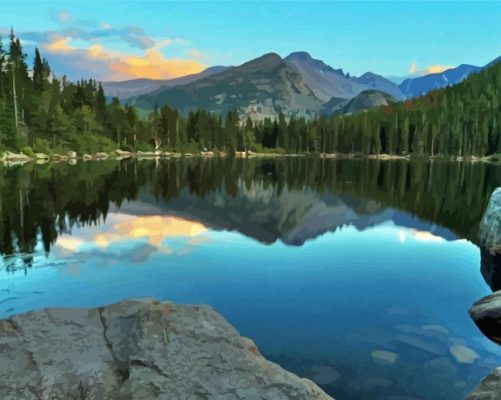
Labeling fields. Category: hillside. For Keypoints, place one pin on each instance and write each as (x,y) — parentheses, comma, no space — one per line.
(259,88)
(366,100)
(297,85)
(325,81)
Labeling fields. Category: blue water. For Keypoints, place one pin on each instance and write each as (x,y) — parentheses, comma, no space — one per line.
(325,306)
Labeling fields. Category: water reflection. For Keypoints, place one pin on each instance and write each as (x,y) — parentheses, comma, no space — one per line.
(289,199)
(357,274)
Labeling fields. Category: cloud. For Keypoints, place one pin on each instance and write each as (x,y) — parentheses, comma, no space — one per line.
(431,69)
(132,238)
(60,16)
(155,66)
(91,49)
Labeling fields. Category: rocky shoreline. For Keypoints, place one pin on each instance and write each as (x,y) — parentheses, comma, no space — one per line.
(11,159)
(137,349)
(486,312)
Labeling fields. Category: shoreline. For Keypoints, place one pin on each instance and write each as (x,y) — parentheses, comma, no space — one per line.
(12,159)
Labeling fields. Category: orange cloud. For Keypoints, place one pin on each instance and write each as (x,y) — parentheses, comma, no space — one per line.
(431,69)
(154,228)
(155,66)
(435,69)
(59,45)
(152,64)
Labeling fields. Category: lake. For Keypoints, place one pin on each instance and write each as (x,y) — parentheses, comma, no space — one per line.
(357,274)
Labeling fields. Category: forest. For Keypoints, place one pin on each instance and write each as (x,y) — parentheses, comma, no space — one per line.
(42,113)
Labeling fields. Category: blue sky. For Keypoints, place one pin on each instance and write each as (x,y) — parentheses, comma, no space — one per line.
(122,40)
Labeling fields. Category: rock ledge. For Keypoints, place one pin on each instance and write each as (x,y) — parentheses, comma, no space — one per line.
(137,349)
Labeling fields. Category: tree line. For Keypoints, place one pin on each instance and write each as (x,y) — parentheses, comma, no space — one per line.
(41,113)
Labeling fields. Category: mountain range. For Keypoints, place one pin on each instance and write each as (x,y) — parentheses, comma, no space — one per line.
(296,85)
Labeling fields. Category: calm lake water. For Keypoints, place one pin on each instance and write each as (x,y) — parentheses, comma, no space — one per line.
(357,274)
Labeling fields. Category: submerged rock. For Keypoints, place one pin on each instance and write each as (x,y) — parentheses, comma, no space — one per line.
(487,315)
(463,354)
(489,388)
(137,349)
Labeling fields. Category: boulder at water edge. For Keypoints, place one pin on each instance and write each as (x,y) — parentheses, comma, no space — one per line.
(137,349)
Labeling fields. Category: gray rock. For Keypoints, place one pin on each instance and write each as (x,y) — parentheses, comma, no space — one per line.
(489,232)
(101,156)
(489,388)
(324,374)
(123,153)
(463,354)
(9,156)
(487,315)
(41,156)
(147,154)
(384,356)
(137,349)
(60,157)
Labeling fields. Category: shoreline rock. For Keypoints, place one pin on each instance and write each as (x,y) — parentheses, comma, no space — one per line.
(140,349)
(9,158)
(489,388)
(486,312)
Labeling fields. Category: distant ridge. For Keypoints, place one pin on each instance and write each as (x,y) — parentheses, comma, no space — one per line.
(298,85)
(136,87)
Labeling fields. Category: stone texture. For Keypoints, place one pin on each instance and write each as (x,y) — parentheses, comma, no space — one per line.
(489,232)
(487,315)
(489,388)
(137,349)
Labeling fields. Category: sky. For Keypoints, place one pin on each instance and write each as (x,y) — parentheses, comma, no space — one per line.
(119,40)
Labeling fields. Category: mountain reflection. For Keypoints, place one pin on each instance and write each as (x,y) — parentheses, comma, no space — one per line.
(292,200)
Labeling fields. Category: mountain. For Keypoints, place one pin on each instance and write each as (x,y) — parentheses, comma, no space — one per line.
(327,82)
(259,88)
(136,87)
(379,83)
(366,100)
(334,105)
(283,214)
(363,101)
(415,87)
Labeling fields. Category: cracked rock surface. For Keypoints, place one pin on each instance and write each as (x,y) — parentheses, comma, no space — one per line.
(137,349)
(489,388)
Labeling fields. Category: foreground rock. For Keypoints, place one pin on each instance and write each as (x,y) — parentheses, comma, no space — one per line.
(490,242)
(489,388)
(487,312)
(489,232)
(487,315)
(137,349)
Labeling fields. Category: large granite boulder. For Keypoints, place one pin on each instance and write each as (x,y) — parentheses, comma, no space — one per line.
(137,349)
(489,232)
(489,235)
(487,315)
(489,388)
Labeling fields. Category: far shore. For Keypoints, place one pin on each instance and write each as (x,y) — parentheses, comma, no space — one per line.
(13,159)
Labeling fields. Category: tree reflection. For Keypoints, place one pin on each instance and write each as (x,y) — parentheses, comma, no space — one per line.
(39,203)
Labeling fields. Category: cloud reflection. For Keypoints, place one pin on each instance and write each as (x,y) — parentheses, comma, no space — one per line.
(132,238)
